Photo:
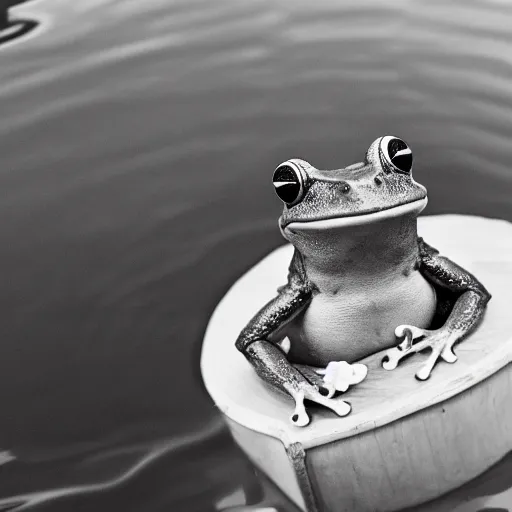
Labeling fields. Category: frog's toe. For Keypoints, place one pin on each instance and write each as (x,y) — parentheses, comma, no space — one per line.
(315,377)
(327,389)
(409,333)
(341,408)
(441,342)
(448,355)
(426,369)
(300,418)
(390,360)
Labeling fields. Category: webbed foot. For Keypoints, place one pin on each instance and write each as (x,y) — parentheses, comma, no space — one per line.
(316,378)
(441,342)
(300,417)
(324,383)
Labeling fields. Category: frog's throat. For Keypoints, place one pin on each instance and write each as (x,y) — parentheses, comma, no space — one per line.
(414,207)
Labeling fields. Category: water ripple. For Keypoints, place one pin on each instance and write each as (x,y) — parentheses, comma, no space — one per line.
(138,141)
(30,500)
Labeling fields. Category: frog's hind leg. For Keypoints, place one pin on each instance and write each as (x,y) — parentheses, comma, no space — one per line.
(310,373)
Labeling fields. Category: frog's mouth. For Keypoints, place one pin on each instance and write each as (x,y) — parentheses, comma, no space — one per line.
(358,219)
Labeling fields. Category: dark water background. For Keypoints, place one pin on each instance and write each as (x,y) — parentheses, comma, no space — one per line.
(137,143)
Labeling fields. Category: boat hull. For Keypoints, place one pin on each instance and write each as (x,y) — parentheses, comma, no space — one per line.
(406,442)
(406,463)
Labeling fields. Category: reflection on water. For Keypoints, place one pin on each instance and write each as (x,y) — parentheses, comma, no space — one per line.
(138,141)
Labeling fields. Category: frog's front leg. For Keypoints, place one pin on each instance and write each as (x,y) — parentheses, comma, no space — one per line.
(464,317)
(270,361)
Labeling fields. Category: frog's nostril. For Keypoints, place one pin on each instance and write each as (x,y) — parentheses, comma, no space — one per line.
(378,180)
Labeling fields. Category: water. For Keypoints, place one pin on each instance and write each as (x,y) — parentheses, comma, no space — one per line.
(138,141)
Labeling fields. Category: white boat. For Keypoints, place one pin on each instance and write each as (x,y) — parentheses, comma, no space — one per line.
(405,442)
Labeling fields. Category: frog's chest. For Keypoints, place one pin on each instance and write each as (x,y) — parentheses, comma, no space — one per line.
(349,326)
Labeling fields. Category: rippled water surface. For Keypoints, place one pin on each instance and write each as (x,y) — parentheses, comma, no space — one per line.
(138,140)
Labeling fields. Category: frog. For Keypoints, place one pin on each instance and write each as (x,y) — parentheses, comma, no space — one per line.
(361,280)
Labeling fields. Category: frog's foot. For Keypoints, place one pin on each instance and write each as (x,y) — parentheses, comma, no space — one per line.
(314,376)
(300,417)
(441,342)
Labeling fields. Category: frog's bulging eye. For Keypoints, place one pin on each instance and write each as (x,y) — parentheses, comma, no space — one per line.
(395,153)
(289,183)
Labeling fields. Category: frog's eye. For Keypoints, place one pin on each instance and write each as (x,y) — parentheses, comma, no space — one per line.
(395,153)
(288,181)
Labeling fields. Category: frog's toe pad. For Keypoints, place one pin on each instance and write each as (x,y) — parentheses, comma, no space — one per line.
(448,355)
(341,408)
(300,418)
(416,332)
(423,373)
(327,390)
(389,362)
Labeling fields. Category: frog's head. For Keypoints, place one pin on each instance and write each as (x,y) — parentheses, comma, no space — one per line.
(381,187)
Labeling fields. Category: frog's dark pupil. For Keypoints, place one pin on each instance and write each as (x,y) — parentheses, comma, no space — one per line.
(287,184)
(400,155)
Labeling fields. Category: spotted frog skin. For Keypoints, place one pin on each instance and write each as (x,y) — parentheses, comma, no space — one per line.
(360,280)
